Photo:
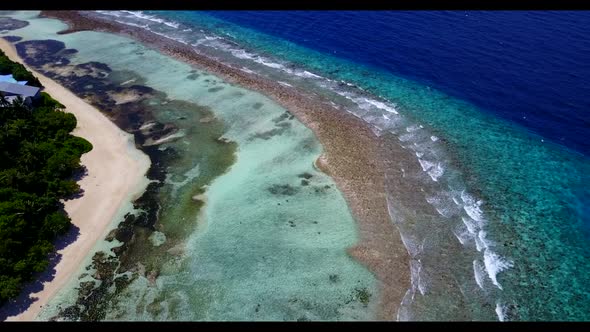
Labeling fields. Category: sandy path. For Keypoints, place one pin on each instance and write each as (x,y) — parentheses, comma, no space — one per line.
(116,175)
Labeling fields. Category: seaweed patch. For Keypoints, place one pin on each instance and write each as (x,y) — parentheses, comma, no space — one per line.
(282,189)
(8,23)
(12,39)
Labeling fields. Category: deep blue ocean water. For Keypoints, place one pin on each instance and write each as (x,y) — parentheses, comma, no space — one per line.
(495,107)
(529,67)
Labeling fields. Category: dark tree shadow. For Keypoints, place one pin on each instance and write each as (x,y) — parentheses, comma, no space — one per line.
(80,173)
(77,176)
(24,300)
(12,39)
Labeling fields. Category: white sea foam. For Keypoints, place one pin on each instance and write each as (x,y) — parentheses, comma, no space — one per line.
(284,83)
(381,105)
(425,164)
(376,131)
(141,15)
(495,264)
(482,236)
(246,70)
(434,169)
(204,40)
(307,74)
(178,39)
(132,24)
(436,172)
(245,55)
(439,205)
(462,234)
(403,313)
(472,207)
(393,215)
(198,42)
(412,128)
(434,138)
(501,311)
(270,64)
(460,237)
(242,54)
(411,244)
(478,245)
(415,269)
(470,224)
(365,103)
(481,243)
(478,272)
(110,13)
(172,24)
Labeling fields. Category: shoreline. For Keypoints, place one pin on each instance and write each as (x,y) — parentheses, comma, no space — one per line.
(352,157)
(115,176)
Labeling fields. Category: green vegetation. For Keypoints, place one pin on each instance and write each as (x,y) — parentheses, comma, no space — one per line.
(363,296)
(18,71)
(38,158)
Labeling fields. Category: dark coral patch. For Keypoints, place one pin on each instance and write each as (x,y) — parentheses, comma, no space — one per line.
(12,39)
(305,175)
(193,76)
(39,52)
(216,89)
(8,23)
(266,135)
(283,189)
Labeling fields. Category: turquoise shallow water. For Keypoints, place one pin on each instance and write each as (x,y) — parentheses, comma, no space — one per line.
(270,241)
(495,217)
(512,205)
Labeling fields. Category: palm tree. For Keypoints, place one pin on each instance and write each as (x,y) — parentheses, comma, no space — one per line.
(3,101)
(20,103)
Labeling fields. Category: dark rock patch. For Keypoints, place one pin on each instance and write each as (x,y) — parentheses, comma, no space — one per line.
(266,135)
(12,39)
(282,189)
(39,52)
(216,89)
(305,175)
(281,117)
(321,189)
(334,278)
(9,23)
(193,76)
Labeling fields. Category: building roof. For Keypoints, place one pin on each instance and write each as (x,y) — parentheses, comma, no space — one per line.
(8,78)
(17,89)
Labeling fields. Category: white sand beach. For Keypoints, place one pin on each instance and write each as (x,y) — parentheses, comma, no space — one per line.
(116,175)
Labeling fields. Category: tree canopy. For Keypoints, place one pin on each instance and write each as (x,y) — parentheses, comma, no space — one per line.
(38,159)
(18,71)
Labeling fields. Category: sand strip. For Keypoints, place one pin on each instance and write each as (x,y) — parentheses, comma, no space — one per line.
(116,176)
(353,156)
